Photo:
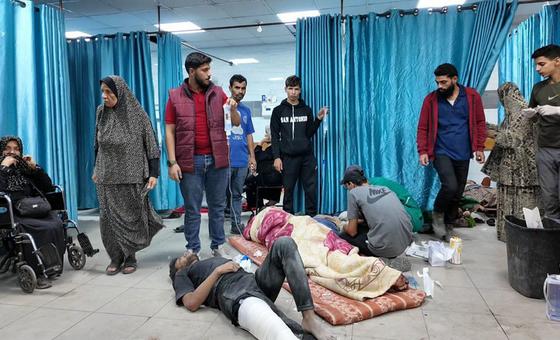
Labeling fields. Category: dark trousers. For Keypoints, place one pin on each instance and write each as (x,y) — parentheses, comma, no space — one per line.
(283,262)
(359,240)
(548,167)
(304,168)
(453,177)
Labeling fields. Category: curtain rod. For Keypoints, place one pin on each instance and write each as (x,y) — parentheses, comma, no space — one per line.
(416,11)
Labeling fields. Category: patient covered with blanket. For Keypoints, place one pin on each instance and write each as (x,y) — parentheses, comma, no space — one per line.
(329,260)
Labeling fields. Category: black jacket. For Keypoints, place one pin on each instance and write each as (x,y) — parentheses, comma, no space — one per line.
(291,129)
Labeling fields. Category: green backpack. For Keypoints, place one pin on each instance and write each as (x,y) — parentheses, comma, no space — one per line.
(410,205)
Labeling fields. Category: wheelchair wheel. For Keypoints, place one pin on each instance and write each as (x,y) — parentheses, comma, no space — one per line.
(76,257)
(27,279)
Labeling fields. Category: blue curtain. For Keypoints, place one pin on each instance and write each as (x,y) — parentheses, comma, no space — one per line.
(126,55)
(170,75)
(516,64)
(388,70)
(34,90)
(319,64)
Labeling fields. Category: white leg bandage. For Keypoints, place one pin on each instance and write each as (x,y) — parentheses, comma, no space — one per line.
(256,317)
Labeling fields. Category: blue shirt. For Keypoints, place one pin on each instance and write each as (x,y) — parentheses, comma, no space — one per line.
(238,149)
(453,138)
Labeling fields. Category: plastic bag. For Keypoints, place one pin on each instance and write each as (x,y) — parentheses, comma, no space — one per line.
(439,253)
(419,251)
(533,218)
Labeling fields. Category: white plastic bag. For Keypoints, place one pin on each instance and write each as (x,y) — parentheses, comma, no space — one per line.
(439,253)
(419,251)
(533,218)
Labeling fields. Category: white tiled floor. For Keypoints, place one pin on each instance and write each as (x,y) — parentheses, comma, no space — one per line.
(476,301)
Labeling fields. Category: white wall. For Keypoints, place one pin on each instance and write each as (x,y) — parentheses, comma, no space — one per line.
(275,61)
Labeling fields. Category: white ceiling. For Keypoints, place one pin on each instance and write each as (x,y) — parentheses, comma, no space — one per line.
(111,16)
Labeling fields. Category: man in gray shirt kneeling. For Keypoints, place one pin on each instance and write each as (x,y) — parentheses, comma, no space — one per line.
(377,221)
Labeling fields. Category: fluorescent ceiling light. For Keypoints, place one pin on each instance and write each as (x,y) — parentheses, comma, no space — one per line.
(276,79)
(239,61)
(76,34)
(291,17)
(438,3)
(184,27)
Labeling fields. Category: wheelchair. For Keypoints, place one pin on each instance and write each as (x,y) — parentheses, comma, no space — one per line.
(49,262)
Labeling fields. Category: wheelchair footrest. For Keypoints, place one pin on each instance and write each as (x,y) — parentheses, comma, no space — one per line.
(85,243)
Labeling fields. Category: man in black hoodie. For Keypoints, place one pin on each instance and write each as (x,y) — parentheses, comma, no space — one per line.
(292,126)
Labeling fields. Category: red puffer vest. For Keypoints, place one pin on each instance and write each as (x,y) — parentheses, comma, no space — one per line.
(182,100)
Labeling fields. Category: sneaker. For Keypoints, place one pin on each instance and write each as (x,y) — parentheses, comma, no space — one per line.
(179,229)
(220,252)
(399,263)
(190,251)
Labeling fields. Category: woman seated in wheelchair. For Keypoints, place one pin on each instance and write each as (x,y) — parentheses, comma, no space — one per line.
(21,178)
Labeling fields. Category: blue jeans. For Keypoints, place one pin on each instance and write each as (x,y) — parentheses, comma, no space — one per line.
(234,194)
(212,181)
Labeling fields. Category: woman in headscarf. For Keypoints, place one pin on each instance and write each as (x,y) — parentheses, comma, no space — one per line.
(512,161)
(126,169)
(21,177)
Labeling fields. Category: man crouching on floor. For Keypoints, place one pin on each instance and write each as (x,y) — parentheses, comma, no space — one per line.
(248,299)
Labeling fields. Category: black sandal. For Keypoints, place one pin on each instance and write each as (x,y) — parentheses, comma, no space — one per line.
(130,265)
(113,269)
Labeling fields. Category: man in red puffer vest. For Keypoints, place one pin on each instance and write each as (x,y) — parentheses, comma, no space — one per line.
(197,149)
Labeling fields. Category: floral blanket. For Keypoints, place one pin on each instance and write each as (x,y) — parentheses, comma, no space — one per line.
(329,261)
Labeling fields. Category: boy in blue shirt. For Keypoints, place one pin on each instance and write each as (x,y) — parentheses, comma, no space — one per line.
(241,151)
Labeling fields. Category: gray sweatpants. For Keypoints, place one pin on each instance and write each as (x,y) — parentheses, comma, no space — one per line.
(548,166)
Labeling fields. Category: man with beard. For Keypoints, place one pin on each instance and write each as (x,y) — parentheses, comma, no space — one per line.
(197,149)
(451,128)
(292,126)
(242,152)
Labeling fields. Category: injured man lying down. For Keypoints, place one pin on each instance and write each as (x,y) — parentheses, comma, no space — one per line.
(248,299)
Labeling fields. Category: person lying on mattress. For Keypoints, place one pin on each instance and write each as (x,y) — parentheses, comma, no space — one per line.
(247,299)
(378,224)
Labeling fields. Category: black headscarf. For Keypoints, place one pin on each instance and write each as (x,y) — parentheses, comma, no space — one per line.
(17,173)
(111,85)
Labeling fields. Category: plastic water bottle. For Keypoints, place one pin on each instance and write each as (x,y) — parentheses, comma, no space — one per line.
(227,119)
(551,292)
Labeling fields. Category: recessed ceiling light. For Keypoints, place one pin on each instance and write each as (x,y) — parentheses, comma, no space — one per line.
(184,27)
(76,34)
(276,79)
(239,61)
(438,3)
(291,17)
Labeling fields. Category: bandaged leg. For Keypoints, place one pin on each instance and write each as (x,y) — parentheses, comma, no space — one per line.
(256,317)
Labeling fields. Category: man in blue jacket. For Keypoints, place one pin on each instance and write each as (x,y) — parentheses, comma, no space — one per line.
(292,126)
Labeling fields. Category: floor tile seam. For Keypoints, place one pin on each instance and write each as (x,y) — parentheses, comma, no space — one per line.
(77,322)
(139,326)
(9,323)
(425,322)
(490,309)
(113,299)
(126,313)
(163,306)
